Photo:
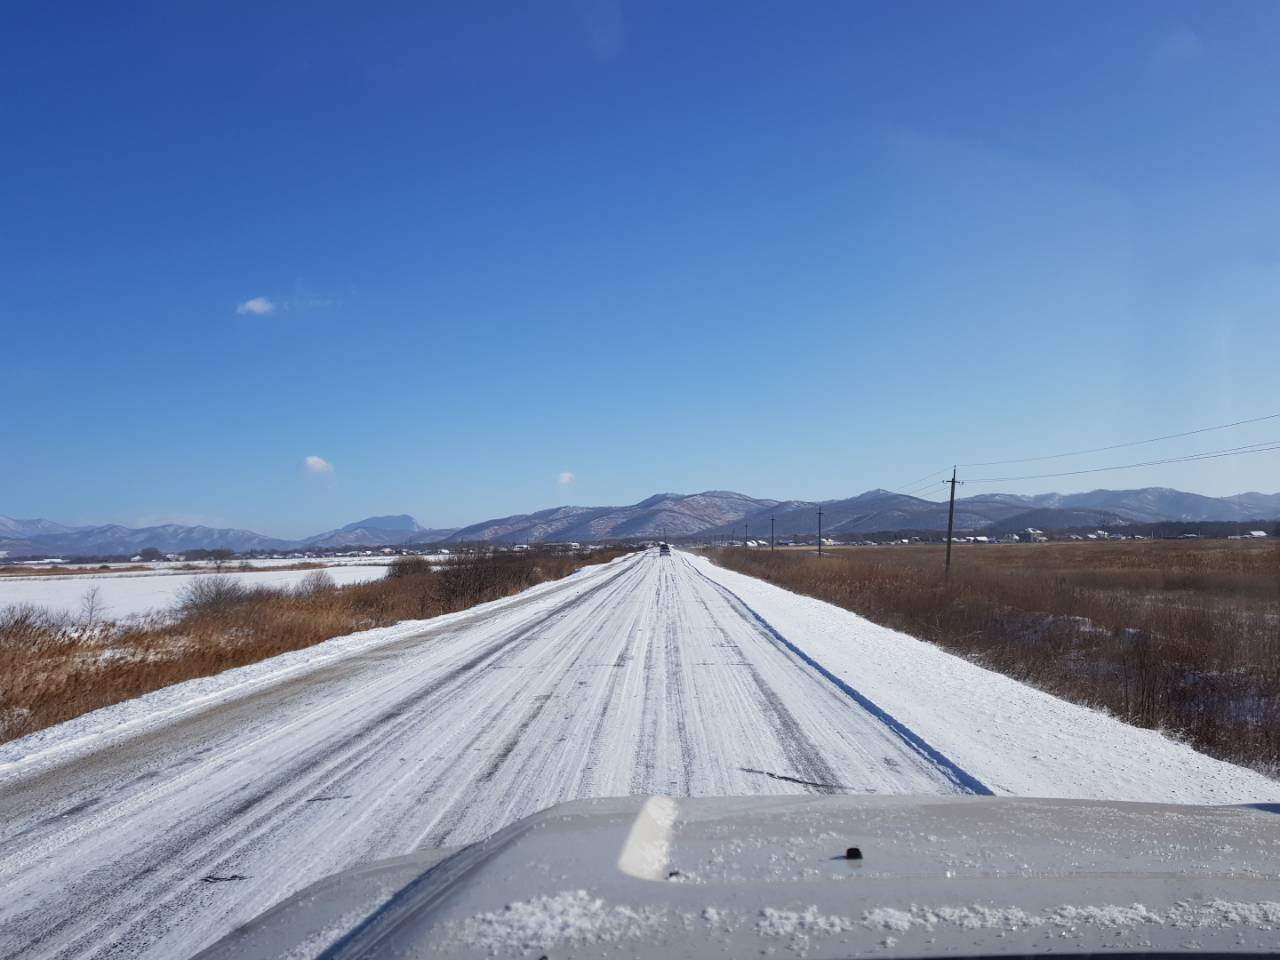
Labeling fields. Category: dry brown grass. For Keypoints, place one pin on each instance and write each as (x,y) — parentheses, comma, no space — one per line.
(1182,636)
(10,570)
(53,668)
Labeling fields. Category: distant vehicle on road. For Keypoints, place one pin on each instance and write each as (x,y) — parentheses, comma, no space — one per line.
(664,550)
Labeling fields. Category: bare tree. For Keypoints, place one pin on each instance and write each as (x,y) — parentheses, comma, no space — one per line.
(91,607)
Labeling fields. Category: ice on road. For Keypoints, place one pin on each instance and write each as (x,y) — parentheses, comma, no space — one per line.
(155,837)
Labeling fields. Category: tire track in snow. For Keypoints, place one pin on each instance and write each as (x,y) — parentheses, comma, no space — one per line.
(577,648)
(464,780)
(965,781)
(645,771)
(610,702)
(811,768)
(677,708)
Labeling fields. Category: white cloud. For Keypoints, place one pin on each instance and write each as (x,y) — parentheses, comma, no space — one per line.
(314,464)
(565,478)
(256,307)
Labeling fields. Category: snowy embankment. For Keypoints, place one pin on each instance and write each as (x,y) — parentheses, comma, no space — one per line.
(122,596)
(1013,738)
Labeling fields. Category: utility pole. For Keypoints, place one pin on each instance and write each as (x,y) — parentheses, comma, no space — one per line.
(771,534)
(746,528)
(819,531)
(951,517)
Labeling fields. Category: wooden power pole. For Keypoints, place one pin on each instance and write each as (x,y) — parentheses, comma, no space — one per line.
(951,517)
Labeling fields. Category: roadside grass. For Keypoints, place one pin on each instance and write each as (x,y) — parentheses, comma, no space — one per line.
(54,668)
(1180,636)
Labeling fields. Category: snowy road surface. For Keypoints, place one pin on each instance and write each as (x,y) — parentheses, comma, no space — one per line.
(150,830)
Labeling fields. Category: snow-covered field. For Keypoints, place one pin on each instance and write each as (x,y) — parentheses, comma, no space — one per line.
(126,567)
(125,595)
(647,675)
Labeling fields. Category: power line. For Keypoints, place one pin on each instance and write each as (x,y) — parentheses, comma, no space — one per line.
(919,489)
(1118,446)
(1263,447)
(917,484)
(927,476)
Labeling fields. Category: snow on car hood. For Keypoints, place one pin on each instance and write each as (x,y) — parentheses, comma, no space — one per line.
(731,877)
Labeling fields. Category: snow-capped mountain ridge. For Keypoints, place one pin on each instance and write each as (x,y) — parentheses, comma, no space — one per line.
(669,515)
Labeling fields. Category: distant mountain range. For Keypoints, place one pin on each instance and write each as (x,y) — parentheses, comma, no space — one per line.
(675,516)
(22,537)
(381,531)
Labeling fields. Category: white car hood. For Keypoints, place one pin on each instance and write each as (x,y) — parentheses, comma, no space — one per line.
(734,877)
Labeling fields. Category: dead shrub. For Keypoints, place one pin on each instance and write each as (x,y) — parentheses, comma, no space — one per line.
(211,595)
(315,582)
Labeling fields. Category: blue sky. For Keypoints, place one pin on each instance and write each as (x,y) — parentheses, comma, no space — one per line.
(461,251)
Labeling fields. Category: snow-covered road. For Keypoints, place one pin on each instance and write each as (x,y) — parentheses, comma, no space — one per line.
(155,836)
